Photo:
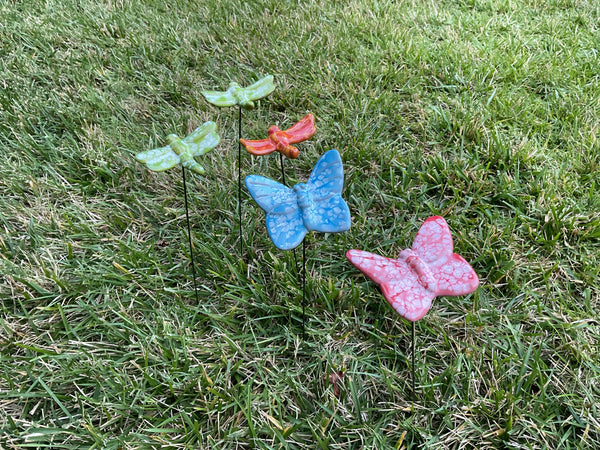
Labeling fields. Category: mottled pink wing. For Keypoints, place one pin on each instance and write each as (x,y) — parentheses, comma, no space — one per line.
(400,286)
(433,244)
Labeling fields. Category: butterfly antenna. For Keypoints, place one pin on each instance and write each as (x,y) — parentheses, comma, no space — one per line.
(240,179)
(187,217)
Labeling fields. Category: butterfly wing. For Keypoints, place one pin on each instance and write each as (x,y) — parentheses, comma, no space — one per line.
(433,242)
(455,277)
(159,159)
(261,88)
(203,139)
(284,219)
(302,130)
(220,98)
(327,212)
(399,285)
(259,148)
(434,246)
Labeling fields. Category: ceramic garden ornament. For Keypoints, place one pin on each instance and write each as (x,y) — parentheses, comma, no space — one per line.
(237,95)
(316,205)
(281,140)
(421,273)
(182,151)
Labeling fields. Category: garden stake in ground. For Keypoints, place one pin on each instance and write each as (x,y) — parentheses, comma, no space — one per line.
(316,205)
(420,274)
(281,141)
(244,98)
(183,151)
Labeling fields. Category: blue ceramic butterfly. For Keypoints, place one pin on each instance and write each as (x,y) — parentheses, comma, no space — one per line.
(316,205)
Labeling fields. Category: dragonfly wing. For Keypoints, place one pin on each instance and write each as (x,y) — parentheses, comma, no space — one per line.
(200,133)
(203,139)
(159,159)
(284,218)
(220,98)
(261,88)
(399,285)
(259,148)
(209,142)
(302,130)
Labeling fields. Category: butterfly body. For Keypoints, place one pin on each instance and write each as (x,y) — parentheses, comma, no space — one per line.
(424,275)
(237,95)
(281,141)
(182,151)
(316,205)
(429,269)
(303,196)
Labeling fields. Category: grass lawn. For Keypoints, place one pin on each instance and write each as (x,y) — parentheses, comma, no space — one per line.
(482,111)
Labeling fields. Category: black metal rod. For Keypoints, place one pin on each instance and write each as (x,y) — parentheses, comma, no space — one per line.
(283,180)
(189,229)
(304,289)
(282,171)
(294,250)
(413,361)
(240,180)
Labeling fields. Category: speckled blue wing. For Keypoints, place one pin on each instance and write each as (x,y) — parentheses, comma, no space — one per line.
(284,217)
(328,212)
(315,206)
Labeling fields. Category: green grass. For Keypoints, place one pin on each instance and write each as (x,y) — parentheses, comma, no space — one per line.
(483,111)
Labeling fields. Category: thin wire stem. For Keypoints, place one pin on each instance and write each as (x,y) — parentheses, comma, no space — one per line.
(282,171)
(187,217)
(293,250)
(414,393)
(304,289)
(284,183)
(240,180)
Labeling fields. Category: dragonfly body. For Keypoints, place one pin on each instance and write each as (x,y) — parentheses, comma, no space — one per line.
(241,95)
(280,141)
(182,151)
(237,95)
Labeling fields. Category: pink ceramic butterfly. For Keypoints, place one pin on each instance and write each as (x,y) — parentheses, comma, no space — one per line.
(420,274)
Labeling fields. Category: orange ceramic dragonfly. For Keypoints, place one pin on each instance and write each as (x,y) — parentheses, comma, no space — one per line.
(281,140)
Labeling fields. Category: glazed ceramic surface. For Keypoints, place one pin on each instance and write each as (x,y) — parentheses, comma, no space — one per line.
(237,95)
(316,205)
(182,151)
(280,140)
(421,273)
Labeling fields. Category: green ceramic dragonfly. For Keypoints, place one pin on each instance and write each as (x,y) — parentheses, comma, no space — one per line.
(182,151)
(237,95)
